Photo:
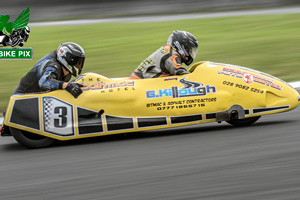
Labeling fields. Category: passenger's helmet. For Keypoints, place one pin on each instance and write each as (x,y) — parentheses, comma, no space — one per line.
(72,57)
(185,44)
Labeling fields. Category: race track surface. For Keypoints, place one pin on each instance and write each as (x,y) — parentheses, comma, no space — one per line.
(207,162)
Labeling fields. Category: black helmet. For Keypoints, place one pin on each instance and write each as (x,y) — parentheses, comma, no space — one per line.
(185,44)
(72,57)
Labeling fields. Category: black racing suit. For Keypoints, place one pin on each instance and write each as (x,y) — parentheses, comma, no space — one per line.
(45,75)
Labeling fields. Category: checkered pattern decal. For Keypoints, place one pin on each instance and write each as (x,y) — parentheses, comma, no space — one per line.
(48,107)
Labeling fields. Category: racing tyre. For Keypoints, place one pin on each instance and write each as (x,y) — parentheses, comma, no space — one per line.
(31,140)
(243,122)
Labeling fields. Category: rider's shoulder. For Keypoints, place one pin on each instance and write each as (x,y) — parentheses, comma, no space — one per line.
(54,64)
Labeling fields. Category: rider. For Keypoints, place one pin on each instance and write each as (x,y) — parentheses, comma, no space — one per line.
(181,48)
(53,71)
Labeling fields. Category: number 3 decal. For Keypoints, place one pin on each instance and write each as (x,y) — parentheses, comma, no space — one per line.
(61,122)
(58,117)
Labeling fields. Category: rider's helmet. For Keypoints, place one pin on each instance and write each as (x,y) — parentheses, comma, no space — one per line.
(26,32)
(72,57)
(27,29)
(185,44)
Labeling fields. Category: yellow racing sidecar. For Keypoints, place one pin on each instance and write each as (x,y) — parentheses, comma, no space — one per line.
(212,92)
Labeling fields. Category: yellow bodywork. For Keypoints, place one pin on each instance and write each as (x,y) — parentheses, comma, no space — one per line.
(111,106)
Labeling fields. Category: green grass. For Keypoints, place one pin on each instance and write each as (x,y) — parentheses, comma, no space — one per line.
(268,43)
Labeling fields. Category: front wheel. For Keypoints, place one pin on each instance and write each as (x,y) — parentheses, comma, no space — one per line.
(31,140)
(243,122)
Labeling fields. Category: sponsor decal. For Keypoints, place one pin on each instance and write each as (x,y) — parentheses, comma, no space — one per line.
(190,89)
(99,85)
(243,87)
(249,77)
(170,78)
(15,34)
(181,104)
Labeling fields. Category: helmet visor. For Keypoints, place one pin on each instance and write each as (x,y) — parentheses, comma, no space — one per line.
(77,62)
(193,52)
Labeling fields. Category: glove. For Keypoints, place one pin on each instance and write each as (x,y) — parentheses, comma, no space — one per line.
(182,72)
(74,89)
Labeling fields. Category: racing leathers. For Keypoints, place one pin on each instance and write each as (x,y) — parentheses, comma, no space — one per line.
(46,75)
(163,62)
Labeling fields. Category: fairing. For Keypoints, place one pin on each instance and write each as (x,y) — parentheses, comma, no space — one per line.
(111,106)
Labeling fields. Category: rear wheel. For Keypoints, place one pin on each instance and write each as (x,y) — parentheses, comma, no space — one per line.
(31,140)
(243,122)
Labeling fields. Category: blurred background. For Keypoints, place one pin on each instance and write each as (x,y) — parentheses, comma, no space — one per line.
(269,43)
(74,9)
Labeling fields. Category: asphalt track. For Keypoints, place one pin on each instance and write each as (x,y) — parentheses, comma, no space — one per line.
(210,162)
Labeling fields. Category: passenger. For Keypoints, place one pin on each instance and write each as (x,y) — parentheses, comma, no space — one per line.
(181,48)
(53,71)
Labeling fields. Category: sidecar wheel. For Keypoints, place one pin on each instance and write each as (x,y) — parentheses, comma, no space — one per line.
(31,140)
(243,122)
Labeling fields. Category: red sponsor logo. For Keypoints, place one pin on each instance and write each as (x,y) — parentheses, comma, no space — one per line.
(247,78)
